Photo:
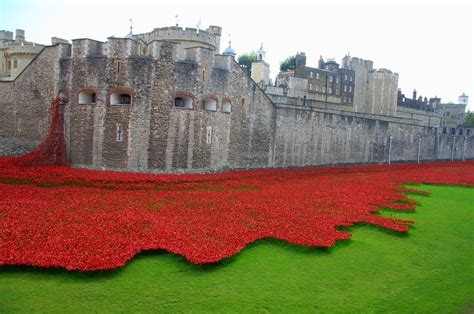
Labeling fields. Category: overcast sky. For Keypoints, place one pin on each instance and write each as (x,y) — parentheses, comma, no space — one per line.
(429,44)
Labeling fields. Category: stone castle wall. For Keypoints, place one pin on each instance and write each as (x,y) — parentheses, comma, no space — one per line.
(157,136)
(25,102)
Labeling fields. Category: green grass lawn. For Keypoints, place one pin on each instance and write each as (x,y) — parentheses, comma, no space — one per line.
(429,270)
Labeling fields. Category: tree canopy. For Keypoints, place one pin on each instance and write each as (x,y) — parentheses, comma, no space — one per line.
(469,120)
(288,64)
(245,61)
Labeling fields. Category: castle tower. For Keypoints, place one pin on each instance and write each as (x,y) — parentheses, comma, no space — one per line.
(463,99)
(261,69)
(346,61)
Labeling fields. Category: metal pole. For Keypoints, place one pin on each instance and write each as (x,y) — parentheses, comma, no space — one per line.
(464,148)
(390,150)
(452,148)
(419,148)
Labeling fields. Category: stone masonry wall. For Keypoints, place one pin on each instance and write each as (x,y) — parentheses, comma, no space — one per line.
(307,137)
(25,102)
(151,134)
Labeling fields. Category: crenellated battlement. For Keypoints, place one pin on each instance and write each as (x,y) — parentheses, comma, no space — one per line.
(123,48)
(209,38)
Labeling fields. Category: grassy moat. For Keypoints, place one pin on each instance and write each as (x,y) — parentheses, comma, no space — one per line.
(428,270)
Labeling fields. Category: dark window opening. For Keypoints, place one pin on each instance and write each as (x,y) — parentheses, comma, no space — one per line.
(179,102)
(445,131)
(120,98)
(87,98)
(125,99)
(183,102)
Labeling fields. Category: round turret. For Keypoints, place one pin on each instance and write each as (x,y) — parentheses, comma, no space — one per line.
(229,51)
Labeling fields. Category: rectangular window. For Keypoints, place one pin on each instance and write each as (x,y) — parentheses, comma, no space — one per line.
(350,78)
(350,89)
(324,89)
(345,77)
(330,79)
(310,86)
(329,90)
(349,100)
(15,64)
(9,65)
(337,80)
(311,74)
(317,88)
(345,99)
(317,76)
(345,88)
(119,137)
(209,135)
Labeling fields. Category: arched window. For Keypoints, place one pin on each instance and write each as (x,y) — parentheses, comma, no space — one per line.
(120,98)
(226,106)
(209,104)
(183,101)
(87,97)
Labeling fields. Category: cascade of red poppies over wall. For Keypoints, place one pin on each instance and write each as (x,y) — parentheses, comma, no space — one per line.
(52,151)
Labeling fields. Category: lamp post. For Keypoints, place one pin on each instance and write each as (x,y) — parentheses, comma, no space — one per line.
(464,148)
(419,150)
(390,149)
(452,148)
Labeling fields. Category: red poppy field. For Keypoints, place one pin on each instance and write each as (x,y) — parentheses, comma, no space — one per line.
(52,215)
(56,216)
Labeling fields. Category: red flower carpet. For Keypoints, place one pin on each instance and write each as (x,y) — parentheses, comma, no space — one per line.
(56,216)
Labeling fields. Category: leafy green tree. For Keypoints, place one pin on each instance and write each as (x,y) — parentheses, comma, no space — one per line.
(288,64)
(469,120)
(245,61)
